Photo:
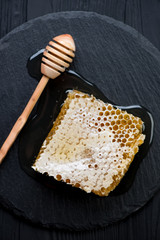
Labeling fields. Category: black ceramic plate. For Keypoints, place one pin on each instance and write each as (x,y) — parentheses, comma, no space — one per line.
(48,108)
(126,69)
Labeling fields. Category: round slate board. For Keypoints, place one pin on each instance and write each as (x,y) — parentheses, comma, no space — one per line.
(125,66)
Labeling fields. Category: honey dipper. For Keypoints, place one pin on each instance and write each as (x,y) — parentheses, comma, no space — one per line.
(57,56)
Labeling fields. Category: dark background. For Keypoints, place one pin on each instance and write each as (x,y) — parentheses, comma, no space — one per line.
(144,16)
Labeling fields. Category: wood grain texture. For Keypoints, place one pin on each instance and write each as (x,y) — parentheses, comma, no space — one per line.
(144,224)
(12,14)
(144,16)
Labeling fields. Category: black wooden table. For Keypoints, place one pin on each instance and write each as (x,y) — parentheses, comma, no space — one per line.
(144,16)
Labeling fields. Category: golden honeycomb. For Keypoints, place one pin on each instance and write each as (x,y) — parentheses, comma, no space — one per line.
(91,144)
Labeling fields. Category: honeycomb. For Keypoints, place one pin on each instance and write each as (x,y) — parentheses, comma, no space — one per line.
(91,144)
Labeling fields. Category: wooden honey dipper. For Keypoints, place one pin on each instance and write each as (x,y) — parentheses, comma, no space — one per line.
(57,56)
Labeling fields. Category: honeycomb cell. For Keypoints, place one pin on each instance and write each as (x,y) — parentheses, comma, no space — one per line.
(109,107)
(115,127)
(125,155)
(77,185)
(126,117)
(86,179)
(102,189)
(120,116)
(128,144)
(102,124)
(119,131)
(140,121)
(121,127)
(121,135)
(138,126)
(130,139)
(112,123)
(122,144)
(95,166)
(118,111)
(129,122)
(59,177)
(118,122)
(112,112)
(135,121)
(106,113)
(123,122)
